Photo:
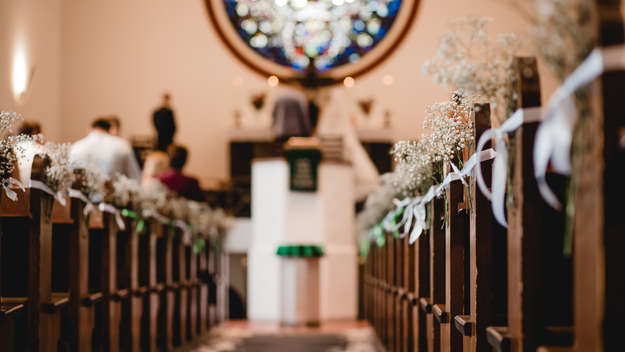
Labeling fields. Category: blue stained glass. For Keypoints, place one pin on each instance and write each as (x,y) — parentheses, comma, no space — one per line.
(294,32)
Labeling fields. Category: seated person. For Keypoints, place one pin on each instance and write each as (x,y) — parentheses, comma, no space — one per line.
(112,154)
(176,181)
(156,163)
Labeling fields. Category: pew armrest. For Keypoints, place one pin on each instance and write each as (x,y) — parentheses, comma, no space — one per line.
(140,291)
(120,294)
(440,314)
(58,301)
(158,288)
(414,300)
(91,299)
(425,304)
(12,306)
(498,338)
(464,324)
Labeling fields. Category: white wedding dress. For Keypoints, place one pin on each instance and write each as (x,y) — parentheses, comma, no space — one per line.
(335,120)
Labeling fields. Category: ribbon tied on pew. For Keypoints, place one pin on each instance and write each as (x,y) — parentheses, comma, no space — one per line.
(555,134)
(500,165)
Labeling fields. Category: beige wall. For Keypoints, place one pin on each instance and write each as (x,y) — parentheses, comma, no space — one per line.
(97,57)
(34,27)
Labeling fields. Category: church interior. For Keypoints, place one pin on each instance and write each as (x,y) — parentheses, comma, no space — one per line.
(312,175)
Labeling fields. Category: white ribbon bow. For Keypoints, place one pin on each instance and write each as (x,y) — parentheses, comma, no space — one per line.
(500,165)
(152,214)
(60,196)
(420,224)
(107,208)
(186,234)
(554,136)
(11,194)
(89,207)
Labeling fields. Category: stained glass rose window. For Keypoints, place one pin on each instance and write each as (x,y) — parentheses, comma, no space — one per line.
(298,35)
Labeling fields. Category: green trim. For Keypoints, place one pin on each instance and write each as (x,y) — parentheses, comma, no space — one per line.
(306,251)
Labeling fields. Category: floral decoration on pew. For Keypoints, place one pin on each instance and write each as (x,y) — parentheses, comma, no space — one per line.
(469,58)
(62,178)
(565,33)
(10,146)
(419,170)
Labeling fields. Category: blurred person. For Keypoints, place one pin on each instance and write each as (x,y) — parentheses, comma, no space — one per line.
(113,154)
(178,182)
(116,125)
(164,123)
(291,115)
(156,163)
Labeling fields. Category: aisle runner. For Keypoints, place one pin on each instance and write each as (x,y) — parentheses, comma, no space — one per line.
(246,340)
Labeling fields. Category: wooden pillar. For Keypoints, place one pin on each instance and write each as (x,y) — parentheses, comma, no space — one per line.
(180,330)
(599,243)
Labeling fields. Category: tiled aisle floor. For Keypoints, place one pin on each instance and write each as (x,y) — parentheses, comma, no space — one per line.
(242,336)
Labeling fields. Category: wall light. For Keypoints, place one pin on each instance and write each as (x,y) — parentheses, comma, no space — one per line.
(21,76)
(273,81)
(349,82)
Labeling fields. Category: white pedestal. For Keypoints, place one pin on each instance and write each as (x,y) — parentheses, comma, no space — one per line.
(299,294)
(325,218)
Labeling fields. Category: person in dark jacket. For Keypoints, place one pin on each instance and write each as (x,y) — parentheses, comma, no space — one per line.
(175,180)
(165,124)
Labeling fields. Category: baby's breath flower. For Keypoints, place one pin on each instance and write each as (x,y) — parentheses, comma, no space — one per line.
(469,59)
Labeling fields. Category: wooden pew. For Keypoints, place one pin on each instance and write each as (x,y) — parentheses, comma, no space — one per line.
(539,275)
(129,292)
(389,297)
(422,264)
(149,289)
(599,242)
(166,278)
(15,311)
(487,257)
(193,288)
(434,306)
(179,271)
(456,247)
(106,255)
(71,273)
(202,273)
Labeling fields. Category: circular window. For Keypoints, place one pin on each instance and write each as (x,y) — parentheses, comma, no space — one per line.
(295,38)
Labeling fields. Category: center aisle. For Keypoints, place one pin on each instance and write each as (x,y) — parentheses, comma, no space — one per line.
(243,336)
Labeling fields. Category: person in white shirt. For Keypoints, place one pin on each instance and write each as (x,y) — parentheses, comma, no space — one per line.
(112,154)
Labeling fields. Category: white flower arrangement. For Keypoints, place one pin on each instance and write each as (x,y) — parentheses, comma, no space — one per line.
(154,197)
(123,193)
(378,203)
(449,130)
(469,59)
(563,31)
(58,175)
(88,180)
